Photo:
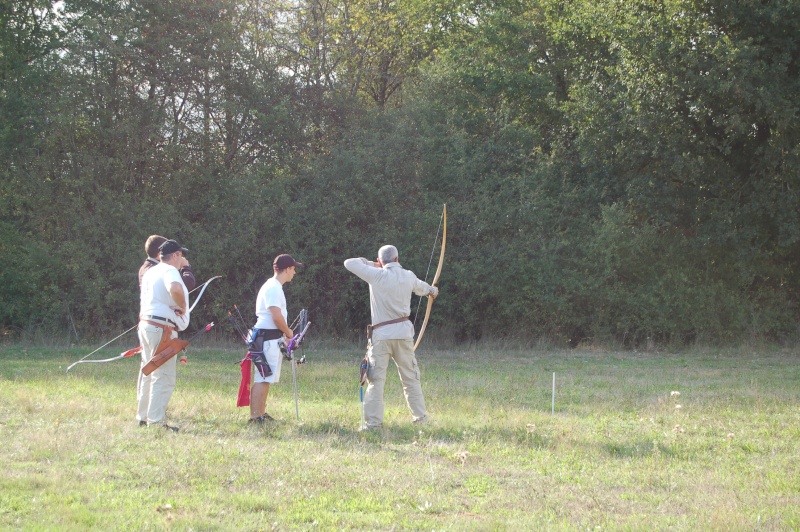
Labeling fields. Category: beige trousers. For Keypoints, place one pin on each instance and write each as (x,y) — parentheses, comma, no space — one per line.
(402,352)
(154,390)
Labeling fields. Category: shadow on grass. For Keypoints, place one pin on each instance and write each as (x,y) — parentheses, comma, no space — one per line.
(641,448)
(411,433)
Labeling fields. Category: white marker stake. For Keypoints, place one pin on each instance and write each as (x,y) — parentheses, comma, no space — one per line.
(553,405)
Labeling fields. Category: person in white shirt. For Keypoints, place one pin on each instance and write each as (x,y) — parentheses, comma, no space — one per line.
(392,334)
(163,308)
(270,325)
(152,246)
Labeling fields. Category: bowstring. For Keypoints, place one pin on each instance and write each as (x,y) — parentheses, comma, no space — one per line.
(302,344)
(132,328)
(300,322)
(300,319)
(430,261)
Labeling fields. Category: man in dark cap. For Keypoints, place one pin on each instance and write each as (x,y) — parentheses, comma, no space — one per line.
(271,325)
(164,308)
(151,248)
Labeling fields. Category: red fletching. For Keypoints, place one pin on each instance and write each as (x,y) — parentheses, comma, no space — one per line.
(131,352)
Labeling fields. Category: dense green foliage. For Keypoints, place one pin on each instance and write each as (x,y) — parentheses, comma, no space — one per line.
(614,171)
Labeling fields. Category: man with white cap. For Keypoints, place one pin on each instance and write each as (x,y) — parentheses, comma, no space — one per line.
(271,325)
(391,332)
(163,309)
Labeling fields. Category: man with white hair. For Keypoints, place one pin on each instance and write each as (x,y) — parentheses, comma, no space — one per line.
(391,335)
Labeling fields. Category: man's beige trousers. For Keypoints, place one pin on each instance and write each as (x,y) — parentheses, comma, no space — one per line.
(155,389)
(402,352)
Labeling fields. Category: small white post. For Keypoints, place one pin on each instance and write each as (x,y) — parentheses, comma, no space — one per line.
(553,404)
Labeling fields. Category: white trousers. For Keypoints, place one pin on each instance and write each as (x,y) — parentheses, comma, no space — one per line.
(274,358)
(154,390)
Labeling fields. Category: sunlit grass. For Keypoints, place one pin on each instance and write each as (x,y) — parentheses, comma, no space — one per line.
(622,450)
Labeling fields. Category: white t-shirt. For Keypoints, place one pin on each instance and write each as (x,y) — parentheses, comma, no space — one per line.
(270,295)
(155,299)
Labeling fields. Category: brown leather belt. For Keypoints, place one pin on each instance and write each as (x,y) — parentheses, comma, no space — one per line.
(162,325)
(371,328)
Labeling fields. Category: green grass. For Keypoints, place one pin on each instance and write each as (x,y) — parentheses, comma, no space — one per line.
(617,454)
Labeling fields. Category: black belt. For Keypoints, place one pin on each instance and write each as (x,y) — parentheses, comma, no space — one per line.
(268,334)
(158,318)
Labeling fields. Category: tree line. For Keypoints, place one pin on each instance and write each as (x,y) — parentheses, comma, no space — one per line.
(614,171)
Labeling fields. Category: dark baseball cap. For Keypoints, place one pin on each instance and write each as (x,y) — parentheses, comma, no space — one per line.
(170,246)
(284,261)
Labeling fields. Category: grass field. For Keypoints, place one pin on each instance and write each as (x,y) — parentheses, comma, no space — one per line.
(621,451)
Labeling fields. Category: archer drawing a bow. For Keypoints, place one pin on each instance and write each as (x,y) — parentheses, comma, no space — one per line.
(136,350)
(170,348)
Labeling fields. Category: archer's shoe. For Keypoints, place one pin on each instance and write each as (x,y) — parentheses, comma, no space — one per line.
(421,421)
(142,423)
(261,419)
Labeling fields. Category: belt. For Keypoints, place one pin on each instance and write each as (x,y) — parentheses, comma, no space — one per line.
(268,334)
(370,328)
(158,318)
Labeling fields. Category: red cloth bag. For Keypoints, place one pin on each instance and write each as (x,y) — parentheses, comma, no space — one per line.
(244,385)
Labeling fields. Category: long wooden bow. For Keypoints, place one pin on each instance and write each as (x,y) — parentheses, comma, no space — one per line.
(435,277)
